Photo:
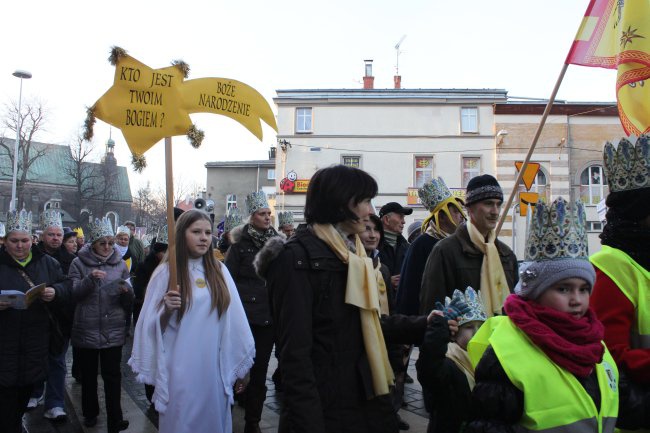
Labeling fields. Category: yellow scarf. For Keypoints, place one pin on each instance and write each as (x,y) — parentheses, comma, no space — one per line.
(362,291)
(494,285)
(461,359)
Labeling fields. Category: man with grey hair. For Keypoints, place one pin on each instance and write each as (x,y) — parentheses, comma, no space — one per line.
(472,255)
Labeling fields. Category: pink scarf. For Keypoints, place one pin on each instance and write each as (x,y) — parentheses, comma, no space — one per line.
(573,344)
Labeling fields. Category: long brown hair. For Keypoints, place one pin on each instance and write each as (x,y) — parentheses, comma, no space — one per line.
(217,286)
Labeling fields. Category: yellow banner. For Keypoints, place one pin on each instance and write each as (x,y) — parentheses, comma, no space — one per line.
(149,104)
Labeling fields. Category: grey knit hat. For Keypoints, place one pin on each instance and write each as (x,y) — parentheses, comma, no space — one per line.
(536,277)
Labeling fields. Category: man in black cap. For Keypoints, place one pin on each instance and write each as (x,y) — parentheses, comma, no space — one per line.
(393,246)
(472,256)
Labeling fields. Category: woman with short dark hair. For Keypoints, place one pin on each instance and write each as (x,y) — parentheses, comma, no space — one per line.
(325,300)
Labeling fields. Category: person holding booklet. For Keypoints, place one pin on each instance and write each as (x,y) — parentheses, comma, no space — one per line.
(25,333)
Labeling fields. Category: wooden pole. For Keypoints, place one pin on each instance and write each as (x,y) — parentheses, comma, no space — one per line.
(171,225)
(542,122)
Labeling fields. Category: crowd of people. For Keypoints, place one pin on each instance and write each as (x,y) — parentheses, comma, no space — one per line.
(556,342)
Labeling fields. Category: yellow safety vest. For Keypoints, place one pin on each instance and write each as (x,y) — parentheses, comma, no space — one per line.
(554,400)
(633,280)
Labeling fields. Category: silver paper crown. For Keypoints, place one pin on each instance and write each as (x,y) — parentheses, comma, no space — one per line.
(256,201)
(162,236)
(2,230)
(51,218)
(19,221)
(123,229)
(628,166)
(285,217)
(100,229)
(434,193)
(475,303)
(232,220)
(557,231)
(146,240)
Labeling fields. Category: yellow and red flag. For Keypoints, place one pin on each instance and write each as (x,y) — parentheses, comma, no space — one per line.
(615,34)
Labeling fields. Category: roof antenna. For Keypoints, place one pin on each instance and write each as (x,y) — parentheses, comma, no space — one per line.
(397,51)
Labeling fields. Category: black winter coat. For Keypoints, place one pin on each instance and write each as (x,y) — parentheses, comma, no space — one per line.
(455,263)
(24,334)
(393,257)
(252,289)
(497,405)
(325,372)
(440,374)
(66,314)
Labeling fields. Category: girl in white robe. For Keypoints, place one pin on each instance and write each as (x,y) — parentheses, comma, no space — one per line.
(193,345)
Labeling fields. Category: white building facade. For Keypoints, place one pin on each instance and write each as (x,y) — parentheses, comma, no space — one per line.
(402,137)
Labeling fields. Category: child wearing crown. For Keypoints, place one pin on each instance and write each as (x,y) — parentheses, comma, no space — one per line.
(544,366)
(444,364)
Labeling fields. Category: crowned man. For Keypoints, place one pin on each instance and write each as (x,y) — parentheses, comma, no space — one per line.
(231,220)
(285,223)
(446,213)
(52,244)
(122,237)
(247,241)
(136,247)
(472,255)
(621,295)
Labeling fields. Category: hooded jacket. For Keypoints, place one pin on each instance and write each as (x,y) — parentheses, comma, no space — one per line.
(100,316)
(252,289)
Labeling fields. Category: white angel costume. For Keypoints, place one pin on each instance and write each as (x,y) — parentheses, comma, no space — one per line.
(194,363)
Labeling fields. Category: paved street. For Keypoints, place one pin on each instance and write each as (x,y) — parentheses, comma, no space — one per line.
(143,420)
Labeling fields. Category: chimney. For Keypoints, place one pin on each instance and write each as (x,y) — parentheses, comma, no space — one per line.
(398,81)
(368,79)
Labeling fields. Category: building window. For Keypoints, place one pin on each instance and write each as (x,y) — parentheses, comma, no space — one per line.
(469,120)
(423,170)
(471,168)
(351,160)
(231,201)
(593,185)
(270,174)
(594,226)
(540,186)
(303,119)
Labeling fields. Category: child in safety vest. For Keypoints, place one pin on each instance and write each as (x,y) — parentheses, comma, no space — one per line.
(544,367)
(444,365)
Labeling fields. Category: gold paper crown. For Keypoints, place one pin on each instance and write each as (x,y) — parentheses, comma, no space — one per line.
(19,221)
(628,166)
(557,232)
(51,218)
(100,228)
(79,231)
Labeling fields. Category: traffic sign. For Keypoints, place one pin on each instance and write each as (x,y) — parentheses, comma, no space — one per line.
(527,199)
(529,174)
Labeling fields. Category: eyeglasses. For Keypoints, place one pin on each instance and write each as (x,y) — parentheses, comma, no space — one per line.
(104,243)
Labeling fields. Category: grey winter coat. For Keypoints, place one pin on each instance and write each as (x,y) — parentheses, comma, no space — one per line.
(100,317)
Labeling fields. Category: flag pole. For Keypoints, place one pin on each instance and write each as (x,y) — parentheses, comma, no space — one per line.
(171,225)
(522,170)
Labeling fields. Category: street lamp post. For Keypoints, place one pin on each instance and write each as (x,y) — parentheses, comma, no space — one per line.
(27,75)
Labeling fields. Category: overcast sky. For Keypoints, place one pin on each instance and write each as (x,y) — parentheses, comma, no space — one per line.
(516,45)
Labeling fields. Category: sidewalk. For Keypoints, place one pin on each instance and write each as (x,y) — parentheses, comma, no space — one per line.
(143,420)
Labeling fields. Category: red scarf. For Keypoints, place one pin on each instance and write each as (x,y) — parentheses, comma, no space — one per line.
(573,344)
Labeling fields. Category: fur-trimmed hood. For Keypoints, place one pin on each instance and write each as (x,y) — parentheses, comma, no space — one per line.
(267,254)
